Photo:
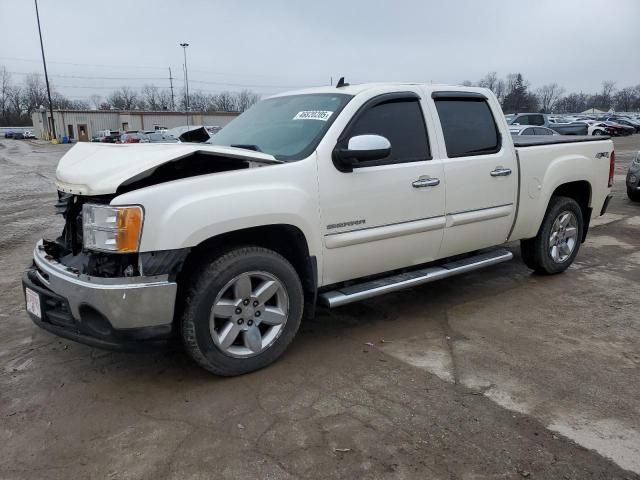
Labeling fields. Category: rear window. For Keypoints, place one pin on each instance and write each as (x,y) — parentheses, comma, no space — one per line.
(468,127)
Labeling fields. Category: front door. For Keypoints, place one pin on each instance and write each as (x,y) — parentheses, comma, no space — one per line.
(481,174)
(83,134)
(385,214)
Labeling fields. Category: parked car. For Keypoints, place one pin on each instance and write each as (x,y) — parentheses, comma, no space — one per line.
(9,134)
(627,122)
(633,179)
(597,128)
(29,134)
(530,130)
(156,137)
(619,129)
(130,137)
(18,135)
(542,120)
(228,244)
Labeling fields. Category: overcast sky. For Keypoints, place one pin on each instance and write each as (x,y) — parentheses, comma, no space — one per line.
(274,45)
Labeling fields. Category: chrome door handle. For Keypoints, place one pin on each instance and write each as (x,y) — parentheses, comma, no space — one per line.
(425,181)
(500,172)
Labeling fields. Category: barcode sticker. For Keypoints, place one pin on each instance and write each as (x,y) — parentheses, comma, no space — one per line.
(322,115)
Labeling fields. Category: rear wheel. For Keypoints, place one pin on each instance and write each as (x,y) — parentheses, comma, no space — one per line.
(242,311)
(558,240)
(634,195)
(598,132)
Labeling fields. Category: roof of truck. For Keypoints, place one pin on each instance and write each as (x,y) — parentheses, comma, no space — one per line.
(362,87)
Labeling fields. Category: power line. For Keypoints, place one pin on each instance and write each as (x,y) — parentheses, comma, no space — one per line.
(204,82)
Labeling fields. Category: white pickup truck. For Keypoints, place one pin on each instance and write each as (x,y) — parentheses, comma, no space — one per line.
(321,196)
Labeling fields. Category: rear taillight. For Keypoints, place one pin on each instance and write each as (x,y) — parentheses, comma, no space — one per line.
(612,167)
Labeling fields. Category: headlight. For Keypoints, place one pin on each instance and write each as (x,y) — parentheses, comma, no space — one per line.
(635,165)
(111,229)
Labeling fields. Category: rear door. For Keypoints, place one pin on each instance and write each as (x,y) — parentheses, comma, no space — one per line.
(388,213)
(480,171)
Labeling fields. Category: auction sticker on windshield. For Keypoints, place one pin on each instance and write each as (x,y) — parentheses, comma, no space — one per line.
(33,302)
(322,115)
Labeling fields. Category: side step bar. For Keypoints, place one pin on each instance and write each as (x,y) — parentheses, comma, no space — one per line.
(373,288)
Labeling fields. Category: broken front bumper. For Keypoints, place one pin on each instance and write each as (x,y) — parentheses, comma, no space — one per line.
(115,313)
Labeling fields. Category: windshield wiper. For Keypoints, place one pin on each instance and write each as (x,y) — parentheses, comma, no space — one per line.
(244,146)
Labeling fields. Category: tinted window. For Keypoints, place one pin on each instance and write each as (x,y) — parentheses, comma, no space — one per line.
(522,119)
(468,127)
(536,120)
(399,121)
(543,131)
(528,131)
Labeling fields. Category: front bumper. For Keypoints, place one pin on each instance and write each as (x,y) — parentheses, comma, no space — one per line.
(115,313)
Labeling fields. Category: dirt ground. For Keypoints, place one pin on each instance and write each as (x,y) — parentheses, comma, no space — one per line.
(499,374)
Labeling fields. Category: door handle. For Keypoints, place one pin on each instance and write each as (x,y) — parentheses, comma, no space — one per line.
(425,181)
(500,172)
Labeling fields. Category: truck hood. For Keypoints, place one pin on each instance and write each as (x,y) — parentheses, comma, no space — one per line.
(100,168)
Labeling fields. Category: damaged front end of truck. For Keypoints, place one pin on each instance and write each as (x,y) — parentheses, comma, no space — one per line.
(92,284)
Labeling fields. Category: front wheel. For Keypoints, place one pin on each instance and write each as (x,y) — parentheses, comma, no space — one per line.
(558,240)
(242,311)
(633,194)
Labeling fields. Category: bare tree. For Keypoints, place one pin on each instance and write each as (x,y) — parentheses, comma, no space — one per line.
(226,102)
(245,99)
(123,99)
(149,98)
(5,93)
(34,93)
(548,95)
(490,81)
(608,87)
(625,99)
(95,100)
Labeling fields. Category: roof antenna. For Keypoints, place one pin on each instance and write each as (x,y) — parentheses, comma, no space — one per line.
(341,83)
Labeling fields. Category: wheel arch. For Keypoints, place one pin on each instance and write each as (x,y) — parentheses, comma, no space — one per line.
(581,192)
(284,239)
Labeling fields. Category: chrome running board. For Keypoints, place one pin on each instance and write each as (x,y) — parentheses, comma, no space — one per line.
(373,288)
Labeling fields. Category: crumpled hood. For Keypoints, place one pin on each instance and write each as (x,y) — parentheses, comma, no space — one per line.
(100,168)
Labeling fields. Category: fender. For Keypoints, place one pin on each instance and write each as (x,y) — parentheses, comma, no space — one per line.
(184,213)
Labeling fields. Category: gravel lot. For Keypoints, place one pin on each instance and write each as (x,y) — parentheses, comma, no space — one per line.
(499,374)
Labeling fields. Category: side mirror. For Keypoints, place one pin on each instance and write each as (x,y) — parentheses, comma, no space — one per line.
(362,148)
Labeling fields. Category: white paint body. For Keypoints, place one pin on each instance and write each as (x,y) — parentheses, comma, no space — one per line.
(404,226)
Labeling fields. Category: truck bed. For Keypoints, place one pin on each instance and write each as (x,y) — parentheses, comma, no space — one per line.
(520,141)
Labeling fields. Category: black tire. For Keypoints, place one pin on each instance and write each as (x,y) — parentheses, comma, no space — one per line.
(535,251)
(597,133)
(634,195)
(208,282)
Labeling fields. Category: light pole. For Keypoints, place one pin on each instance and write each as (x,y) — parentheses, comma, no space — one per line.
(184,46)
(46,77)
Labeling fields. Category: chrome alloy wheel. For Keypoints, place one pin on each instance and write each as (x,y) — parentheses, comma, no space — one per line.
(249,314)
(564,236)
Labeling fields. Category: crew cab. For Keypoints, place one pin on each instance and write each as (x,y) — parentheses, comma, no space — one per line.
(321,196)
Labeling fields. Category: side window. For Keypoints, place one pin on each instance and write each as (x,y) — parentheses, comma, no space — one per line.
(529,131)
(522,119)
(536,119)
(402,123)
(468,127)
(543,131)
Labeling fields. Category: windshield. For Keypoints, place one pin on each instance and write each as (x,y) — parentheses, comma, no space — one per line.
(289,127)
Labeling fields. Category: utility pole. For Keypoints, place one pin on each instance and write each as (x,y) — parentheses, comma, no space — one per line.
(173,102)
(184,46)
(46,76)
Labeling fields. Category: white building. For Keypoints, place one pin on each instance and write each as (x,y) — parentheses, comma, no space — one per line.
(82,125)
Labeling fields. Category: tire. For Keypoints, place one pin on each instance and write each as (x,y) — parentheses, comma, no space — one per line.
(539,253)
(634,195)
(598,133)
(206,331)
